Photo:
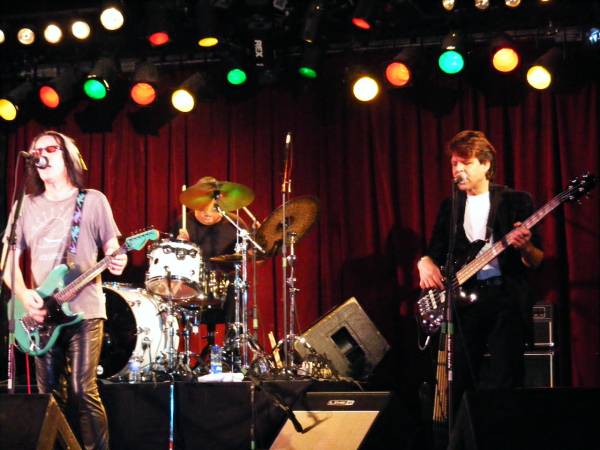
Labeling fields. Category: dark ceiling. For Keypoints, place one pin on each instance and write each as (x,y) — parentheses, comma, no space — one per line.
(279,23)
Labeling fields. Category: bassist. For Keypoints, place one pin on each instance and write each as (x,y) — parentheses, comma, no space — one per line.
(498,321)
(49,218)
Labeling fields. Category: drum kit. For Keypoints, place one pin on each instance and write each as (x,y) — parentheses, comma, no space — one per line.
(148,331)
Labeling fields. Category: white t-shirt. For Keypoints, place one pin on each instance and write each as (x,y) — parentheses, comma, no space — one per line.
(477,210)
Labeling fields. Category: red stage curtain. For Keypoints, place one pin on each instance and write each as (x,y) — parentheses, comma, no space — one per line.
(379,172)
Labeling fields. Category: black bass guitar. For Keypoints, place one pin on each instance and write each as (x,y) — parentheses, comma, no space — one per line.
(431,304)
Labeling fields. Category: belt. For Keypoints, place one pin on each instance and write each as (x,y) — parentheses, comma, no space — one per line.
(488,282)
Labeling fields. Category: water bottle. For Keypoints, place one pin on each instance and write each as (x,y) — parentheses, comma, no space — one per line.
(134,370)
(216,359)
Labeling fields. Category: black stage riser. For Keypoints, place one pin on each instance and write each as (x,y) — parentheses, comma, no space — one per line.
(33,422)
(549,419)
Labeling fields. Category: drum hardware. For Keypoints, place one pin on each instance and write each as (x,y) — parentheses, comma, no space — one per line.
(238,334)
(279,234)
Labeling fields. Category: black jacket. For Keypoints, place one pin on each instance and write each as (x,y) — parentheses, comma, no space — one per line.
(507,207)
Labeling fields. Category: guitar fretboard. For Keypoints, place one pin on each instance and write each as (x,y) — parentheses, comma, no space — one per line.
(82,280)
(478,263)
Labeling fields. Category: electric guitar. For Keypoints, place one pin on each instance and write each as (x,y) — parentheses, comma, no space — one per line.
(37,338)
(431,304)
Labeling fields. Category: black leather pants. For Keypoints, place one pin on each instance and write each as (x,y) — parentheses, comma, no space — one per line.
(68,371)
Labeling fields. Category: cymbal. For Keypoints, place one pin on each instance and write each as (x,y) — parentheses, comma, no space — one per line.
(300,214)
(229,196)
(234,258)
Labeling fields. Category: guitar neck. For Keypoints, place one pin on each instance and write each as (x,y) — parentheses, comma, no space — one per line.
(482,260)
(68,292)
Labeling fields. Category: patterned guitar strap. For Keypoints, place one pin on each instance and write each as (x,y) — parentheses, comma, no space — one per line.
(75,228)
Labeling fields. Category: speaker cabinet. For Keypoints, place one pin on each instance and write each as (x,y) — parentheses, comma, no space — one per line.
(549,419)
(349,339)
(33,422)
(539,368)
(332,421)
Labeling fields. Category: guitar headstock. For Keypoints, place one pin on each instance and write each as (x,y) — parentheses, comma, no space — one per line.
(580,186)
(138,240)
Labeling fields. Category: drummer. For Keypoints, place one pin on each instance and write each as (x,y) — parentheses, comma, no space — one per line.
(208,229)
(215,236)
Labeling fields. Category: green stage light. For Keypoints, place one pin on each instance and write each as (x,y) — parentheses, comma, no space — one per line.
(307,72)
(451,62)
(95,89)
(236,76)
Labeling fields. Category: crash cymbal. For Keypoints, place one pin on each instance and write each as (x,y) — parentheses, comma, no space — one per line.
(234,258)
(300,214)
(229,196)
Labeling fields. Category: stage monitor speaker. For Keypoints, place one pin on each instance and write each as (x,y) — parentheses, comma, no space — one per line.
(348,339)
(332,421)
(33,422)
(552,419)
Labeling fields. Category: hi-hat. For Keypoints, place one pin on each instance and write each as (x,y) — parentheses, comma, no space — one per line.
(229,196)
(300,214)
(234,258)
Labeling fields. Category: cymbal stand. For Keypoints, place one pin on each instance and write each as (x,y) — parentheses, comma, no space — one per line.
(169,325)
(255,225)
(291,285)
(241,290)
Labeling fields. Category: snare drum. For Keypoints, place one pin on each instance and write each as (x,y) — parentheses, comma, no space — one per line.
(135,334)
(174,269)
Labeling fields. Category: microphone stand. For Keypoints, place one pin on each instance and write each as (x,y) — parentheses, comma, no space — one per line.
(276,400)
(449,271)
(286,189)
(12,246)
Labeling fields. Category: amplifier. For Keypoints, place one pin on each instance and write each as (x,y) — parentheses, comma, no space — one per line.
(539,369)
(543,336)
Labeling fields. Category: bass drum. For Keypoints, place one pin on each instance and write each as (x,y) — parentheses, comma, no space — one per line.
(135,335)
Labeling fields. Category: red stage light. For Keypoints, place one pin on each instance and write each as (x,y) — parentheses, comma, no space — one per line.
(143,94)
(159,38)
(397,74)
(49,97)
(361,23)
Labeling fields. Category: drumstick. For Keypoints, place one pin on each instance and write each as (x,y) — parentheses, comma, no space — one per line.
(183,218)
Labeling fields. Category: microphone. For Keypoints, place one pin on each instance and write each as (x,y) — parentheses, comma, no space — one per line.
(287,166)
(459,178)
(41,162)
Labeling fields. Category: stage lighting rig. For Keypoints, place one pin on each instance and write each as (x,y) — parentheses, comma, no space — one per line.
(61,89)
(451,61)
(100,80)
(541,73)
(15,101)
(505,57)
(53,33)
(206,24)
(145,84)
(80,29)
(112,17)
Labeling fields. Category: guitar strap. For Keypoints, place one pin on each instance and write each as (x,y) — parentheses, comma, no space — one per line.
(75,227)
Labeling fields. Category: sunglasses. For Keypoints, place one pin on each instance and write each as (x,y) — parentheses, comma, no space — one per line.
(48,149)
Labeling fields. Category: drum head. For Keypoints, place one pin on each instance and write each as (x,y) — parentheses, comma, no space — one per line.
(120,335)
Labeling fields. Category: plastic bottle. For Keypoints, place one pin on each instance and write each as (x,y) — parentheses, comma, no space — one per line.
(216,359)
(134,370)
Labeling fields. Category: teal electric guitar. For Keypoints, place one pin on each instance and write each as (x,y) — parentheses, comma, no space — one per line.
(37,338)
